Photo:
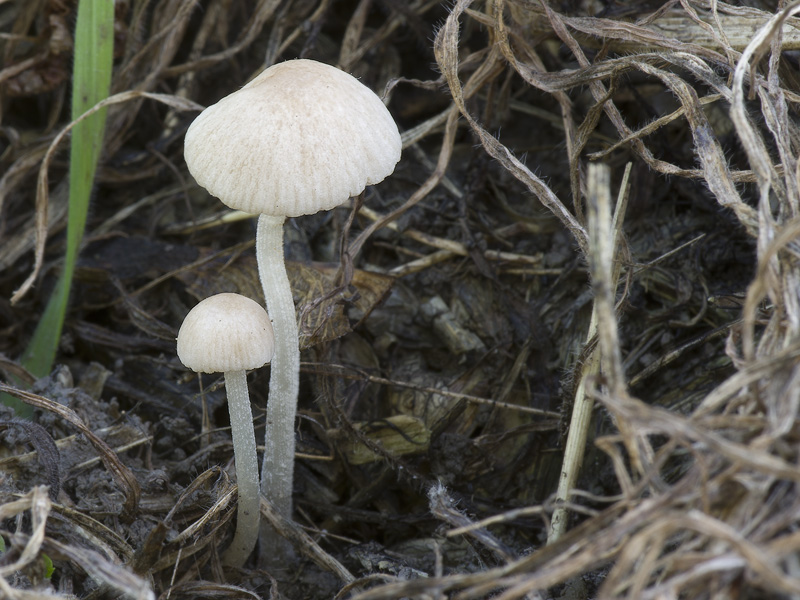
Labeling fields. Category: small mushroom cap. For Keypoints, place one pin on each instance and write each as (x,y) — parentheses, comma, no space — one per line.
(226,332)
(301,137)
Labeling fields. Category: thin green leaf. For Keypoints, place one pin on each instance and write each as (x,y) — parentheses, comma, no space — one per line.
(94,46)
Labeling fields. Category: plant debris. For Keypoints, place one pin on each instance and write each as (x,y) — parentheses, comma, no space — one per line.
(595,214)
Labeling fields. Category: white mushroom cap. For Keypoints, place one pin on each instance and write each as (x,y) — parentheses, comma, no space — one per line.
(226,332)
(301,137)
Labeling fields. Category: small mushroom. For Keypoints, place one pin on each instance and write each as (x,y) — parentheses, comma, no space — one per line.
(229,333)
(301,137)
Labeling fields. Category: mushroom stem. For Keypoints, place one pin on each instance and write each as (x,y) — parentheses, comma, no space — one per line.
(244,451)
(277,469)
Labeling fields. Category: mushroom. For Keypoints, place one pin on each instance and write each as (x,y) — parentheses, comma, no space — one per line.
(301,137)
(229,333)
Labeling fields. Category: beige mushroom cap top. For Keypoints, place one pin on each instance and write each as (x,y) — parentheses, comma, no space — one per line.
(301,137)
(226,332)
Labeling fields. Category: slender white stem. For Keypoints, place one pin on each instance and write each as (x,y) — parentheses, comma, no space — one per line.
(277,469)
(244,452)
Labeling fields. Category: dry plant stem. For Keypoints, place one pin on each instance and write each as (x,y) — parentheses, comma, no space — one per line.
(446,52)
(768,179)
(306,544)
(598,186)
(427,186)
(244,451)
(454,248)
(277,468)
(603,234)
(42,182)
(353,373)
(575,447)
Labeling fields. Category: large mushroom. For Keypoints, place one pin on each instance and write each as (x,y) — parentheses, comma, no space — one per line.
(230,333)
(301,137)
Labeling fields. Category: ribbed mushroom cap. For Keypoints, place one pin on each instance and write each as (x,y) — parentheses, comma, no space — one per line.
(301,137)
(226,332)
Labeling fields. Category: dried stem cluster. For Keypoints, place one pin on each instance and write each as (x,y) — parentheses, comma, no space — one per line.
(729,518)
(704,501)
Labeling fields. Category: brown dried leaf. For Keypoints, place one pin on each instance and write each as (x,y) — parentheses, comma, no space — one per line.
(398,435)
(317,321)
(42,74)
(328,320)
(46,64)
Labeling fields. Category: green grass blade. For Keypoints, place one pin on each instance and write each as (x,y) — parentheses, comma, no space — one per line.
(91,81)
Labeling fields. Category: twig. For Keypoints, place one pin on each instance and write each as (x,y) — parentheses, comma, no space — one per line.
(599,192)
